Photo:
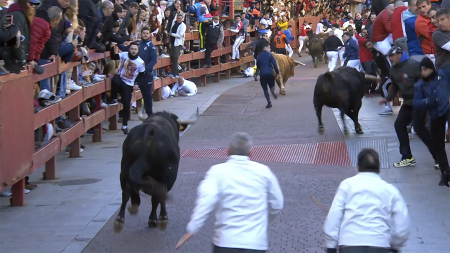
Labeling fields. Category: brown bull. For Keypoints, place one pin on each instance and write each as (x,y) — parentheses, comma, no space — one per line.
(286,67)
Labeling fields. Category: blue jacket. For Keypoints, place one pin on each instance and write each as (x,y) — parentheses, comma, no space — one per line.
(265,63)
(351,50)
(409,21)
(147,52)
(289,36)
(433,95)
(200,17)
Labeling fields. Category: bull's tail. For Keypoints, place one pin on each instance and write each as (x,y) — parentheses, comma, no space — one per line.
(140,167)
(329,79)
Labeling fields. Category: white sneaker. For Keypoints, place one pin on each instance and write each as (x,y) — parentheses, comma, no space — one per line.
(202,50)
(8,193)
(155,78)
(100,76)
(103,105)
(165,56)
(67,151)
(74,86)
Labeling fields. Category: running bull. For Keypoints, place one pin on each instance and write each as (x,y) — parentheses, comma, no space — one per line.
(315,49)
(150,159)
(342,88)
(286,66)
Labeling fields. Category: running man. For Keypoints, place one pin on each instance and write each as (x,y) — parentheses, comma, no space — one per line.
(265,63)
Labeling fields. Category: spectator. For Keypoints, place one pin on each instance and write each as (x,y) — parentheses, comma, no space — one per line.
(177,33)
(331,46)
(22,14)
(397,26)
(133,9)
(351,54)
(267,22)
(214,36)
(381,36)
(165,29)
(367,62)
(43,23)
(358,22)
(409,21)
(441,39)
(87,12)
(184,88)
(283,23)
(205,21)
(238,28)
(289,38)
(423,25)
(124,82)
(302,36)
(319,27)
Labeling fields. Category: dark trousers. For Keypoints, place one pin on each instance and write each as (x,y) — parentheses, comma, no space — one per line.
(267,80)
(174,55)
(125,91)
(202,28)
(370,67)
(146,87)
(280,50)
(405,116)
(233,250)
(363,249)
(438,136)
(209,48)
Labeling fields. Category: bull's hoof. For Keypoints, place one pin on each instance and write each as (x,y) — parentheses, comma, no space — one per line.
(118,224)
(320,129)
(162,222)
(345,131)
(359,131)
(152,224)
(315,66)
(133,210)
(283,92)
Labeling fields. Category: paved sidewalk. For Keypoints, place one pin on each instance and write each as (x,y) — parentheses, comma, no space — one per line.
(63,215)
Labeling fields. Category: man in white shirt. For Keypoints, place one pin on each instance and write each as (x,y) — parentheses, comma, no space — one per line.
(131,65)
(267,22)
(339,33)
(184,88)
(367,214)
(237,228)
(319,27)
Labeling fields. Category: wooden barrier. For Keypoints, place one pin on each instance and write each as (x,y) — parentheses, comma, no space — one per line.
(18,122)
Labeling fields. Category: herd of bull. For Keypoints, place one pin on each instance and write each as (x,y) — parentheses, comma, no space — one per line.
(151,153)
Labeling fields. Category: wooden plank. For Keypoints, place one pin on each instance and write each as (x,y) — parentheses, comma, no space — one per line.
(71,134)
(46,115)
(94,119)
(45,153)
(68,103)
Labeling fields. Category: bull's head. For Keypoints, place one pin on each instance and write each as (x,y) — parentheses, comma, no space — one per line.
(293,64)
(183,123)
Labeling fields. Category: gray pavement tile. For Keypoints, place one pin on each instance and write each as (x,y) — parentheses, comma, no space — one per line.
(75,247)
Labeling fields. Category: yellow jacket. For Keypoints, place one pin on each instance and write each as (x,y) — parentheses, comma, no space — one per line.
(283,25)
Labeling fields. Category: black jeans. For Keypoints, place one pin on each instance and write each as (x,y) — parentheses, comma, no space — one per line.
(419,116)
(209,47)
(280,51)
(404,117)
(363,249)
(126,91)
(438,135)
(370,68)
(267,80)
(233,250)
(174,55)
(146,87)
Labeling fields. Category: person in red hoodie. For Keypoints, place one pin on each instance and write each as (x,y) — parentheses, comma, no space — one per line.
(398,32)
(367,62)
(302,36)
(40,31)
(423,26)
(381,33)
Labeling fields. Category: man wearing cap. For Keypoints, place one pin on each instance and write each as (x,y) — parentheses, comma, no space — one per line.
(404,73)
(214,36)
(431,93)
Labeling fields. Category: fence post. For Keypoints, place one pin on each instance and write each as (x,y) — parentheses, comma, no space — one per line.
(18,193)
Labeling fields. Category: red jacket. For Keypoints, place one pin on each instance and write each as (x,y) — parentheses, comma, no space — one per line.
(365,54)
(397,23)
(423,26)
(247,3)
(381,27)
(40,32)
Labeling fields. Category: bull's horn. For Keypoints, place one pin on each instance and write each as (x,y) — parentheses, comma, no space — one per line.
(186,121)
(140,114)
(301,63)
(374,78)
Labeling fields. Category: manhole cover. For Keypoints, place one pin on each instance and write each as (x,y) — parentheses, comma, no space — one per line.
(78,181)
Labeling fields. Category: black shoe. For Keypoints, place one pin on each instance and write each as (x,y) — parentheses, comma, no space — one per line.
(256,77)
(299,55)
(445,178)
(113,102)
(63,125)
(125,131)
(269,105)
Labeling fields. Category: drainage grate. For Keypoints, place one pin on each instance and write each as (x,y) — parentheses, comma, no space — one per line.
(78,181)
(380,145)
(328,153)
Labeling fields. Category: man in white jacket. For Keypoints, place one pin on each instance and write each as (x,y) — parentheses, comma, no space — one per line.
(177,33)
(225,187)
(367,214)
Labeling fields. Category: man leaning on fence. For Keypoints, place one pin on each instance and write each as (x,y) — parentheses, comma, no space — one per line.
(214,36)
(368,215)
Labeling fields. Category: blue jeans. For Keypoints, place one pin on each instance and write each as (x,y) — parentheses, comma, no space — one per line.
(225,9)
(62,84)
(44,84)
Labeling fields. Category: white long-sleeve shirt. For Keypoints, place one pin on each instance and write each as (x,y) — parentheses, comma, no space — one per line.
(266,22)
(247,196)
(367,211)
(189,87)
(319,28)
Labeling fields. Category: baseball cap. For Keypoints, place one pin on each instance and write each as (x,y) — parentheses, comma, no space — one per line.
(395,50)
(216,17)
(35,2)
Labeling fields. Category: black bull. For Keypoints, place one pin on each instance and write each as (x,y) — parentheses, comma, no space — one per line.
(342,88)
(150,159)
